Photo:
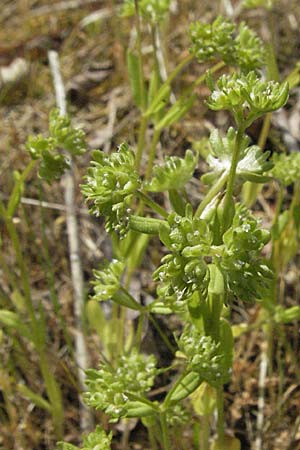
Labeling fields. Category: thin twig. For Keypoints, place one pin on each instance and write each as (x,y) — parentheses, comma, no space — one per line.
(44,204)
(261,400)
(62,6)
(81,353)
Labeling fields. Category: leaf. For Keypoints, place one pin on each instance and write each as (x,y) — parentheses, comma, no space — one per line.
(135,77)
(173,174)
(12,320)
(176,112)
(204,399)
(37,399)
(252,164)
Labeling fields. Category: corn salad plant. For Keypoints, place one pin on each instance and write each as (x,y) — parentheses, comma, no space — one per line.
(212,252)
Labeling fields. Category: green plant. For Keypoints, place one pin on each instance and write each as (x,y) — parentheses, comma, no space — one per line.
(212,251)
(214,255)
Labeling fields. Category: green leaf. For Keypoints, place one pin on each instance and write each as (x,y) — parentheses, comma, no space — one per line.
(135,77)
(184,387)
(173,174)
(252,164)
(176,112)
(204,399)
(12,320)
(36,399)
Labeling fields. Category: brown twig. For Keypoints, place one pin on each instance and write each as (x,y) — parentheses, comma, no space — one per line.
(81,352)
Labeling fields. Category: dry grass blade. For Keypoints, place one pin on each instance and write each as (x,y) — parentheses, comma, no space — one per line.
(81,351)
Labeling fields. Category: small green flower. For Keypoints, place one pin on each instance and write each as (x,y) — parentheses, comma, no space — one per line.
(247,96)
(184,271)
(210,41)
(246,274)
(63,137)
(110,183)
(97,440)
(221,40)
(286,167)
(249,50)
(173,174)
(107,281)
(205,356)
(114,390)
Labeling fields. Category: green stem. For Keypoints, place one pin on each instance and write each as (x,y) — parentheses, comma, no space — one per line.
(205,432)
(164,428)
(214,190)
(163,336)
(12,204)
(20,261)
(152,151)
(155,206)
(152,440)
(232,172)
(140,53)
(220,410)
(141,142)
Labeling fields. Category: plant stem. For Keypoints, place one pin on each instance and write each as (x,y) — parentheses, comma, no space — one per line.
(214,190)
(232,172)
(140,53)
(164,428)
(155,206)
(141,142)
(220,410)
(205,432)
(163,336)
(155,140)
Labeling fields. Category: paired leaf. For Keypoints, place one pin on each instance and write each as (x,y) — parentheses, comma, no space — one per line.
(252,165)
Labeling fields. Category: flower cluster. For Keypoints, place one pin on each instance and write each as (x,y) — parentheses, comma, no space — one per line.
(107,281)
(110,183)
(247,96)
(97,440)
(221,40)
(184,271)
(205,356)
(63,137)
(114,390)
(286,167)
(247,275)
(173,174)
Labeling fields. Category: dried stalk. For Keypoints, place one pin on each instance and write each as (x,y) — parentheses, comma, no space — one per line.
(261,400)
(81,352)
